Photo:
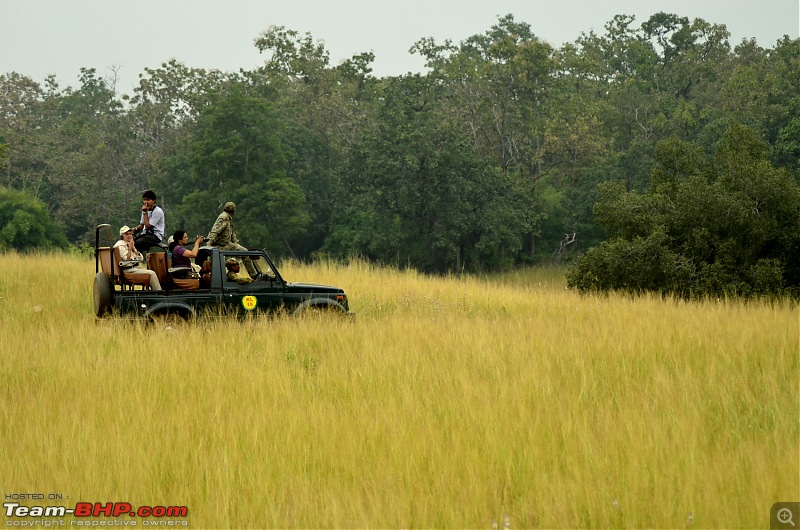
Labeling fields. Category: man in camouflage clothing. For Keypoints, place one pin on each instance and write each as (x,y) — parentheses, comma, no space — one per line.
(223,236)
(232,264)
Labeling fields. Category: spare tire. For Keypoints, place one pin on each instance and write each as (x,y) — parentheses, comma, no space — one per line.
(102,294)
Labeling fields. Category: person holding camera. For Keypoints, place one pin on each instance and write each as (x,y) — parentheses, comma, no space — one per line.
(181,254)
(152,223)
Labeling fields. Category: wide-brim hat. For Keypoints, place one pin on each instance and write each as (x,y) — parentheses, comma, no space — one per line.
(229,207)
(125,229)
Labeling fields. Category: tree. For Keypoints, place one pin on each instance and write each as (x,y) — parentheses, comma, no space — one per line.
(325,110)
(783,129)
(67,148)
(729,225)
(21,127)
(164,106)
(419,195)
(236,153)
(25,223)
(87,163)
(497,88)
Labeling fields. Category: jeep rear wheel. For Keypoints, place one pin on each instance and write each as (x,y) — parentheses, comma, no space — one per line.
(102,294)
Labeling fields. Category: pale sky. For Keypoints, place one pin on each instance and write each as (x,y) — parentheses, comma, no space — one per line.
(41,37)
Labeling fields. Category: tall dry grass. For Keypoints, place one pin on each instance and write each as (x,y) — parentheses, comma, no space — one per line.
(448,402)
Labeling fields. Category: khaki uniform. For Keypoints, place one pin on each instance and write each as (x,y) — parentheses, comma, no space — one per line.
(223,236)
(233,277)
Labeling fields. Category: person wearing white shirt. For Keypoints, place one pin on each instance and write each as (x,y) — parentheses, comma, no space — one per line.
(128,252)
(152,223)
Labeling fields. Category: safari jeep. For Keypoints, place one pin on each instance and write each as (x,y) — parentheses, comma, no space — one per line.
(185,295)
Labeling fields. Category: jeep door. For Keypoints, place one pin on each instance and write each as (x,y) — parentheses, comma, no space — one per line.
(257,296)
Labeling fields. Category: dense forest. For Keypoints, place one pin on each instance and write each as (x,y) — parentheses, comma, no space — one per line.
(652,156)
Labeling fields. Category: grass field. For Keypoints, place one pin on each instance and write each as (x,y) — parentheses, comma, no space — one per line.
(447,403)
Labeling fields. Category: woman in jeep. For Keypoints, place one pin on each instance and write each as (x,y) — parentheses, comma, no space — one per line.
(181,254)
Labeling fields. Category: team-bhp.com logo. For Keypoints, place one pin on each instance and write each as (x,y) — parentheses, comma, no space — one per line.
(94,510)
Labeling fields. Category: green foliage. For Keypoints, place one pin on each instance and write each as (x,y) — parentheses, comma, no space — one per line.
(636,265)
(730,225)
(418,194)
(494,157)
(25,223)
(237,145)
(324,110)
(500,88)
(67,148)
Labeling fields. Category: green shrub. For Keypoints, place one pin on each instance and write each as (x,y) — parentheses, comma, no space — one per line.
(727,226)
(25,223)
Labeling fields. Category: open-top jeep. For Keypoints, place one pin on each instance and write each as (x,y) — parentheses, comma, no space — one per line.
(184,294)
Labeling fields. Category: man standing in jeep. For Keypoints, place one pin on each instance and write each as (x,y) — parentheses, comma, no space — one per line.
(223,236)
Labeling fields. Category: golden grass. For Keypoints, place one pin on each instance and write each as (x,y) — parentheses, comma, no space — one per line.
(448,403)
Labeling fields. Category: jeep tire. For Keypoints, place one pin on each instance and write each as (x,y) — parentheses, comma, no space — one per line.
(102,294)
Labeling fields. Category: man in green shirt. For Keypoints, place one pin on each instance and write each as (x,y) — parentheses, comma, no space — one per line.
(223,236)
(232,264)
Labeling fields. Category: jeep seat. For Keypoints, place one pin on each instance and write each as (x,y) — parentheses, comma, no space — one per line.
(187,284)
(158,263)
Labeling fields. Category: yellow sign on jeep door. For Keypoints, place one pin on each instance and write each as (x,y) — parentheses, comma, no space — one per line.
(249,302)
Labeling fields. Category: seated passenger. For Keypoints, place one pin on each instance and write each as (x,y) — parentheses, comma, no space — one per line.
(232,264)
(181,254)
(128,252)
(205,274)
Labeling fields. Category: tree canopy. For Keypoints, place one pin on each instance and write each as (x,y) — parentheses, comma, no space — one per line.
(659,143)
(727,224)
(25,223)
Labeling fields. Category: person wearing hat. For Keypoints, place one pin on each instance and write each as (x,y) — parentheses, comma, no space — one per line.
(128,252)
(223,236)
(232,264)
